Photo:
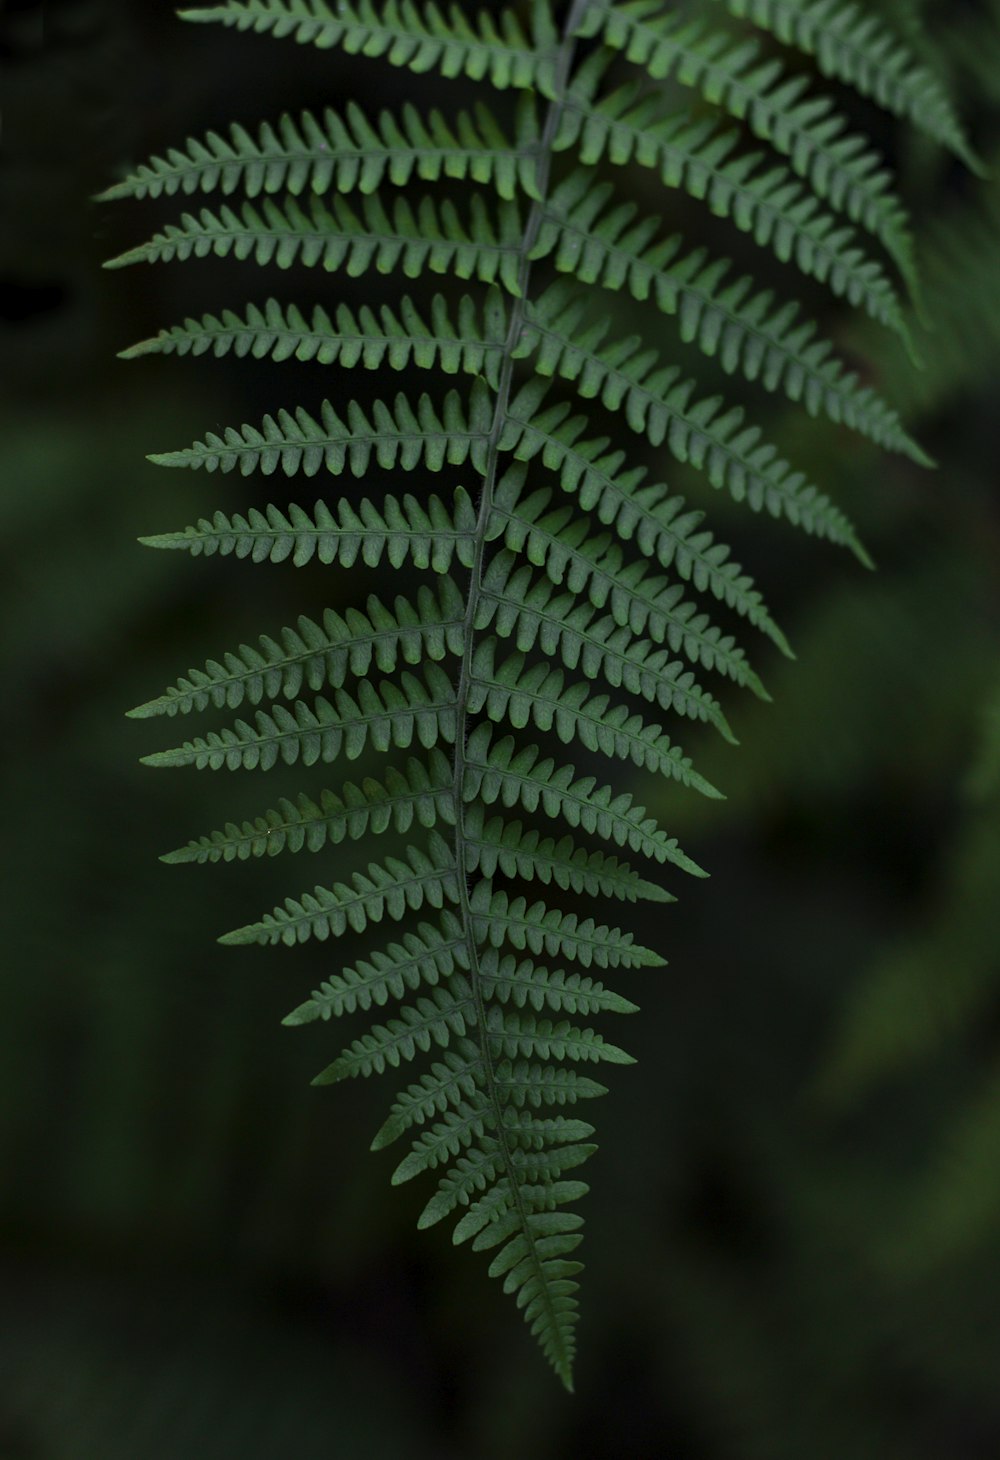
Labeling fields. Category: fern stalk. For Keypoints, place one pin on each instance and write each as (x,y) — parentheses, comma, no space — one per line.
(562,1358)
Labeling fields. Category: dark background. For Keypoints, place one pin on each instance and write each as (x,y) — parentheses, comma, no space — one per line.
(793,1227)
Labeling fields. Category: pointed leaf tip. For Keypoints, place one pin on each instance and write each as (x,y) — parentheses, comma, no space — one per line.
(238,936)
(141,347)
(306,1013)
(159,758)
(706,788)
(166,540)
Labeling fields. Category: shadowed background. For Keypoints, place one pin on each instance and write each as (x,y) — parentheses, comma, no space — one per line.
(792,1231)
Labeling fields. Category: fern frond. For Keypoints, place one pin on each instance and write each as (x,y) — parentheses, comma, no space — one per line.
(444,1140)
(397,435)
(500,918)
(417,1028)
(343,154)
(421,37)
(588,582)
(515,1034)
(450,1080)
(392,715)
(388,889)
(472,345)
(656,522)
(606,648)
(539,696)
(472,1172)
(637,603)
(420,959)
(542,1278)
(747,331)
(500,771)
(780,108)
(711,438)
(541,1085)
(860,50)
(429,236)
(522,982)
(765,201)
(533,611)
(426,533)
(636,599)
(420,793)
(319,657)
(516,851)
(749,336)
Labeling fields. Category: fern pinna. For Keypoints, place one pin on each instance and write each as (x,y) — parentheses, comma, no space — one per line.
(566,588)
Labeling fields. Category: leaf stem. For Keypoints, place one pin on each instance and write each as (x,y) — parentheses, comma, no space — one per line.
(562,1355)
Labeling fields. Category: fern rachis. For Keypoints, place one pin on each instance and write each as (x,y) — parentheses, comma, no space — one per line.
(569,592)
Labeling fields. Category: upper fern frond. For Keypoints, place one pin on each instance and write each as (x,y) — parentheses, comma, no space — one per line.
(344,154)
(750,337)
(860,50)
(430,236)
(420,793)
(400,434)
(419,36)
(384,716)
(578,604)
(469,340)
(717,441)
(384,890)
(321,655)
(767,202)
(779,107)
(430,535)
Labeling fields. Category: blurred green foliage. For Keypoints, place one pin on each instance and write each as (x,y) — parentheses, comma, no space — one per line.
(793,1233)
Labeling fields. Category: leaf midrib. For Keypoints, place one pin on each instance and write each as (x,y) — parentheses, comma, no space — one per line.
(563,67)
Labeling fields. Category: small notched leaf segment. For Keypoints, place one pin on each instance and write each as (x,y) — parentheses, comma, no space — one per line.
(571,597)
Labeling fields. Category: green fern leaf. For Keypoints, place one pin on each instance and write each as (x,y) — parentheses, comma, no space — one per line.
(420,793)
(588,590)
(515,1034)
(343,154)
(748,337)
(421,37)
(320,657)
(398,435)
(429,236)
(417,1029)
(534,612)
(387,890)
(421,959)
(427,533)
(388,716)
(521,777)
(539,696)
(473,345)
(448,1081)
(518,851)
(523,982)
(858,49)
(732,454)
(501,918)
(779,108)
(767,202)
